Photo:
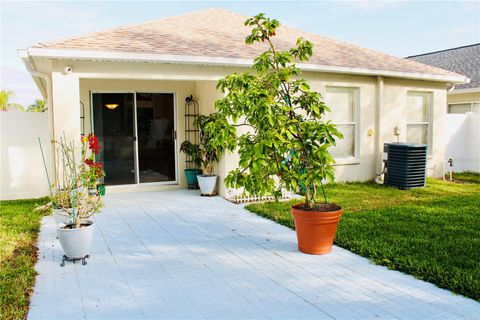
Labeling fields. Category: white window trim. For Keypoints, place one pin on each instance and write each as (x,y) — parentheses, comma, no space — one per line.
(356,130)
(466,102)
(429,95)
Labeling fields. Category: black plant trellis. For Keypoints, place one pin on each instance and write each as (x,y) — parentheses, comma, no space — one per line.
(191,132)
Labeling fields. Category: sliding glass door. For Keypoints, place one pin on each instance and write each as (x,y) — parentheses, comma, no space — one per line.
(137,135)
(113,125)
(156,137)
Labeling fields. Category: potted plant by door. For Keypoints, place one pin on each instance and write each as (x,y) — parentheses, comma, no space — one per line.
(193,152)
(216,136)
(288,141)
(76,234)
(72,203)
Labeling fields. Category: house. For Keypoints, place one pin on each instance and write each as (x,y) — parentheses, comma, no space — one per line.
(128,85)
(465,60)
(463,104)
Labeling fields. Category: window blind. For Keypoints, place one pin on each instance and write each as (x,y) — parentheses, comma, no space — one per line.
(417,133)
(460,108)
(341,102)
(417,110)
(345,147)
(476,107)
(418,117)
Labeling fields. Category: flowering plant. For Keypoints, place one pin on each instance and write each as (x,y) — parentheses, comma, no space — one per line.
(90,170)
(72,179)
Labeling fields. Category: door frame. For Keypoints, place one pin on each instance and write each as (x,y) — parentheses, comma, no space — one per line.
(135,148)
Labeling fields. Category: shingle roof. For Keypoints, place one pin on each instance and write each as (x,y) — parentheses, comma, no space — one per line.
(464,60)
(220,33)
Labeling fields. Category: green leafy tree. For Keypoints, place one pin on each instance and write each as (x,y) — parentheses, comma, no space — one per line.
(5,104)
(38,106)
(216,136)
(287,137)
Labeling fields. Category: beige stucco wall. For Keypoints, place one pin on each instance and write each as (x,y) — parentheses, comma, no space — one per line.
(201,81)
(393,114)
(363,166)
(454,97)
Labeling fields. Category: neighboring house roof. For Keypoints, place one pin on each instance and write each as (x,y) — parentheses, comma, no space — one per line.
(216,34)
(464,60)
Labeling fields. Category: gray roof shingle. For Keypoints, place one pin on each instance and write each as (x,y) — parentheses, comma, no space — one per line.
(464,60)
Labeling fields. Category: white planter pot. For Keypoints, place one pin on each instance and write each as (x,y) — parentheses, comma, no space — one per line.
(76,243)
(60,216)
(207,184)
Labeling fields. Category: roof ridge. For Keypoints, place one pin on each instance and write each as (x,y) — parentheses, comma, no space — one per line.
(444,50)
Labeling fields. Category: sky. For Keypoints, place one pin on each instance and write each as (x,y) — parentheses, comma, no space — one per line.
(399,28)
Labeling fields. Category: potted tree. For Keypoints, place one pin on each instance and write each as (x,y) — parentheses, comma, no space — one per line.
(288,141)
(216,136)
(72,201)
(76,234)
(193,152)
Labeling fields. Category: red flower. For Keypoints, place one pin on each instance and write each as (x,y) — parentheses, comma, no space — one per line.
(93,143)
(97,168)
(89,162)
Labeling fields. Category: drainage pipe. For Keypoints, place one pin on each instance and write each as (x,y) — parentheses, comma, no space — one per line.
(378,110)
(49,103)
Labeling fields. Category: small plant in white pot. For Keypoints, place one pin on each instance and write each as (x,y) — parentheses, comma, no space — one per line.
(76,235)
(72,202)
(216,136)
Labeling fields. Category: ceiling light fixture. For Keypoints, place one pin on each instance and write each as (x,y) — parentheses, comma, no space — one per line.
(111,106)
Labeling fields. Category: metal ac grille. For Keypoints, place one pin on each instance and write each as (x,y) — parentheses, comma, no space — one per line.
(405,165)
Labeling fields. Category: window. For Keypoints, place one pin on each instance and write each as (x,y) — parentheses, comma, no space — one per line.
(460,108)
(418,117)
(343,105)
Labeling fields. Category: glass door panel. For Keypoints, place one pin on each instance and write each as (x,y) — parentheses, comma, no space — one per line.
(156,137)
(113,125)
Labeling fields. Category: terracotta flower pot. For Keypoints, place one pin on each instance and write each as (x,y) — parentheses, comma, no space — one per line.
(315,229)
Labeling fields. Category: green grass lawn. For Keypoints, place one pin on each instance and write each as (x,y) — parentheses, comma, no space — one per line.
(19,227)
(432,233)
(467,176)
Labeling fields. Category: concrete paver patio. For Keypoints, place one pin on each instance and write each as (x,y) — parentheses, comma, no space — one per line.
(174,254)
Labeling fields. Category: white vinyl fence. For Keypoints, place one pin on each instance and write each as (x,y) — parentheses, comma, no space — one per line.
(462,134)
(22,172)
